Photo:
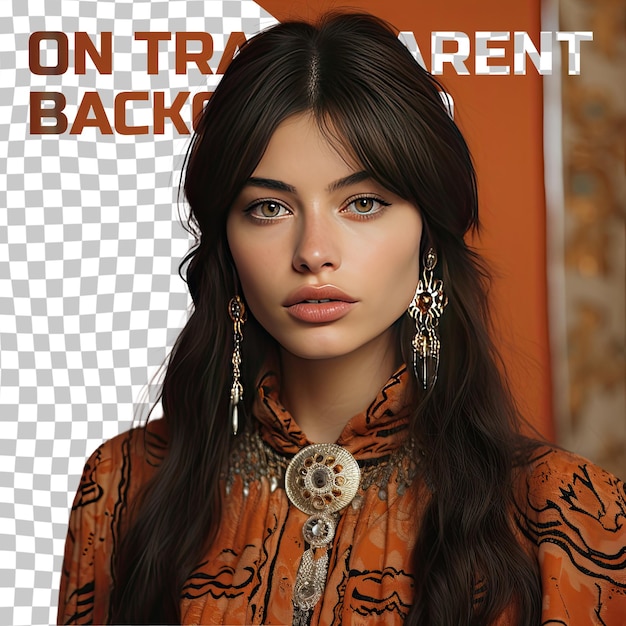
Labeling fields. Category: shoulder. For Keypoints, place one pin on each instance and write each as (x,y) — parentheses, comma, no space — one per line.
(573,513)
(111,478)
(140,446)
(568,486)
(115,471)
(137,452)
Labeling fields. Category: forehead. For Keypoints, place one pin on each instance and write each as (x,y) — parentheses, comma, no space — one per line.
(299,148)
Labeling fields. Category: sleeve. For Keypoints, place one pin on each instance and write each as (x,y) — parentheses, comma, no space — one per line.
(575,515)
(85,574)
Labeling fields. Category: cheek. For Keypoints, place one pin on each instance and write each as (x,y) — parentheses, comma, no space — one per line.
(242,255)
(253,263)
(248,271)
(396,261)
(403,279)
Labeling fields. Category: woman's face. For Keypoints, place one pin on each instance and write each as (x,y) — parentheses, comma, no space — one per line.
(328,259)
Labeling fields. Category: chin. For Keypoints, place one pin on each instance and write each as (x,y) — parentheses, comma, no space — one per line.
(316,347)
(316,357)
(316,353)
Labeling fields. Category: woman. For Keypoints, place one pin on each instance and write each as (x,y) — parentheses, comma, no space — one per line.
(336,305)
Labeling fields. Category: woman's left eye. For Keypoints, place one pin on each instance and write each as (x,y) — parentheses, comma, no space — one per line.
(266,210)
(366,205)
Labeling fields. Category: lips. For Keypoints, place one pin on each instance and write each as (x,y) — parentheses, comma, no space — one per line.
(318,305)
(316,295)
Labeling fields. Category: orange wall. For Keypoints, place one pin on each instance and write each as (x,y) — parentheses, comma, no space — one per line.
(501,117)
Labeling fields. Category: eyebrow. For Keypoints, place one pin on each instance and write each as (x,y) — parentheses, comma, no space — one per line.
(279,185)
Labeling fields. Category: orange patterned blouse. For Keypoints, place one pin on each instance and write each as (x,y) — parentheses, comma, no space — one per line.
(571,515)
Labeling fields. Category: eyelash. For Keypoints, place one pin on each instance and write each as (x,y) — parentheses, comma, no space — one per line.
(366,196)
(360,216)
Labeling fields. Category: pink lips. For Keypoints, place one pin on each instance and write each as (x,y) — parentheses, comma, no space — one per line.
(318,305)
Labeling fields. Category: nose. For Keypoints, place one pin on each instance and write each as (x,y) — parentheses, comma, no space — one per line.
(317,247)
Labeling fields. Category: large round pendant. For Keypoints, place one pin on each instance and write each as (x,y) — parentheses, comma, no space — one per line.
(323,477)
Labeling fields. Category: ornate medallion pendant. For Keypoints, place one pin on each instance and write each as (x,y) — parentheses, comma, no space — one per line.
(320,480)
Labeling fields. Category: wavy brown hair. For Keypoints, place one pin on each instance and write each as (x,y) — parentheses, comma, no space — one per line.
(369,96)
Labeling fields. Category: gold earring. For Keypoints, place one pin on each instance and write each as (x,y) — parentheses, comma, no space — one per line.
(237,312)
(426,308)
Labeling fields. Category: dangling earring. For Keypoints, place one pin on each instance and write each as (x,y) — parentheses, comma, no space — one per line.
(426,308)
(237,312)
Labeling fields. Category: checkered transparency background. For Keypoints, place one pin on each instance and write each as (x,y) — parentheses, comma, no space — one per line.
(90,242)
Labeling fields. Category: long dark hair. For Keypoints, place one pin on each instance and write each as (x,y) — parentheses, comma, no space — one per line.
(368,95)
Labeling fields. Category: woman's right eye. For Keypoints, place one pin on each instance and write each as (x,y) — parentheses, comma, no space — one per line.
(267,209)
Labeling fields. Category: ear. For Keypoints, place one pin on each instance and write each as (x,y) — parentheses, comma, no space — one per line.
(231,276)
(235,280)
(426,241)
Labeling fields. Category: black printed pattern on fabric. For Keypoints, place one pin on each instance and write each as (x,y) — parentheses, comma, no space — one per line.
(582,505)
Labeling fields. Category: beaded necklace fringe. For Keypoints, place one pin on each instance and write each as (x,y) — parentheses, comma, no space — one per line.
(252,459)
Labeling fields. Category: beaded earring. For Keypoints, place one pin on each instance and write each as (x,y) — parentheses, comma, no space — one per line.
(237,312)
